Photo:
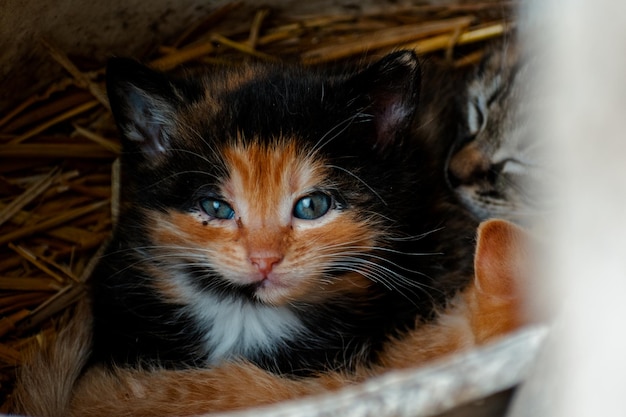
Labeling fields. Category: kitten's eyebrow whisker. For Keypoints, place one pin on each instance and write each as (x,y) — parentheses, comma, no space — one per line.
(353,175)
(323,141)
(208,145)
(175,174)
(187,151)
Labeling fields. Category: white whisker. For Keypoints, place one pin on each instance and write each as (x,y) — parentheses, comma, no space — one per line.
(356,177)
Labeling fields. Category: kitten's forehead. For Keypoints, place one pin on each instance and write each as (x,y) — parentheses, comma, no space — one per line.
(268,175)
(211,106)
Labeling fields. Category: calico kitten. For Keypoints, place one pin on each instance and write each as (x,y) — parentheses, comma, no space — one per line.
(490,307)
(273,214)
(496,166)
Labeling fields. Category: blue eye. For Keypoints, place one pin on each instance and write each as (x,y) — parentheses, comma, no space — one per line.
(217,208)
(312,206)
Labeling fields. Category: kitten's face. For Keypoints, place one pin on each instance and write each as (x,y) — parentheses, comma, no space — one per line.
(495,169)
(251,183)
(274,226)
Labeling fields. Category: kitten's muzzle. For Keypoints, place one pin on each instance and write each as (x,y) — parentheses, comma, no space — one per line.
(265,264)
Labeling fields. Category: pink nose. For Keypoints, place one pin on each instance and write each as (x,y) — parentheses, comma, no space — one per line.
(265,264)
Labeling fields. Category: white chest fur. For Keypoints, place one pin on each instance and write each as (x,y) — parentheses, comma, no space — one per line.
(236,327)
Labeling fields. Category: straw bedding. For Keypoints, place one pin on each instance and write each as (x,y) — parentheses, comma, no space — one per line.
(58,149)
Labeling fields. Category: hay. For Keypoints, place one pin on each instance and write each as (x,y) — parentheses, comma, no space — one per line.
(58,176)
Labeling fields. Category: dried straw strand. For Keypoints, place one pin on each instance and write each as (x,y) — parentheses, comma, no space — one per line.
(442,42)
(100,140)
(211,19)
(74,150)
(9,355)
(22,300)
(54,121)
(7,324)
(54,88)
(255,28)
(47,110)
(28,284)
(382,38)
(181,56)
(34,260)
(27,196)
(59,302)
(49,223)
(81,79)
(242,47)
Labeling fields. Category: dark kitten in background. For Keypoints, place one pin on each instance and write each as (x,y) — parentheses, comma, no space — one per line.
(496,168)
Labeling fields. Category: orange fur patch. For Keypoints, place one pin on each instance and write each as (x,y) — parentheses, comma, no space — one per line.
(268,178)
(501,263)
(189,392)
(450,333)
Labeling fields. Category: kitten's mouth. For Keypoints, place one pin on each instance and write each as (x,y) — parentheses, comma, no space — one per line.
(268,290)
(262,285)
(268,283)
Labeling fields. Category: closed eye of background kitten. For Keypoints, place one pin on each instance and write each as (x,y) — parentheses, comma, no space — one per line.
(496,166)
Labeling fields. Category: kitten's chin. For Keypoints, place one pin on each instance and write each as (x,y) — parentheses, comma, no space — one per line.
(270,291)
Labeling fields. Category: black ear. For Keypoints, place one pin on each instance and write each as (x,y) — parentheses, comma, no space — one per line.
(389,91)
(143,102)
